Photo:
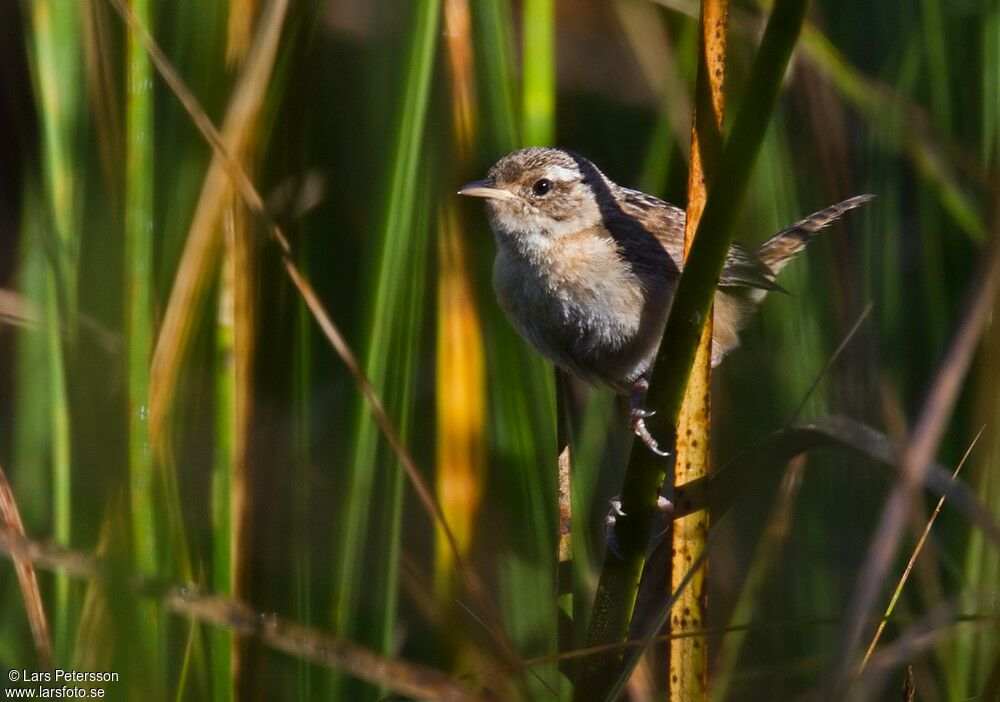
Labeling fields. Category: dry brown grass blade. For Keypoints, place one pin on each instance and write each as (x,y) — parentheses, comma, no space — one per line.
(255,204)
(770,625)
(913,558)
(461,365)
(240,286)
(457,18)
(10,517)
(918,454)
(99,57)
(199,260)
(239,28)
(460,396)
(275,632)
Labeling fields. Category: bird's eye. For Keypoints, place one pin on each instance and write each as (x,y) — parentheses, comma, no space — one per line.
(541,187)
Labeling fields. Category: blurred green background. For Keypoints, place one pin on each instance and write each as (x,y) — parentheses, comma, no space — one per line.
(166,398)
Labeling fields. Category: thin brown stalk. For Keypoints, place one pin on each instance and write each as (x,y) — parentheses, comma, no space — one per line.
(564,465)
(688,671)
(564,548)
(732,480)
(273,631)
(920,636)
(918,455)
(770,625)
(833,358)
(240,260)
(913,558)
(17,310)
(10,517)
(99,58)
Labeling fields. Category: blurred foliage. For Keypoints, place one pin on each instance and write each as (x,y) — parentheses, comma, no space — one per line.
(273,484)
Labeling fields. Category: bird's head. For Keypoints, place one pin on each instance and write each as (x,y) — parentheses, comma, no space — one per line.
(537,193)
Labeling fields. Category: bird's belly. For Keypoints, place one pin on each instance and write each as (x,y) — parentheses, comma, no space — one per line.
(592,325)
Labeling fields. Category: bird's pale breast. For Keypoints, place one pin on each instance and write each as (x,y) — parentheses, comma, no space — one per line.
(578,304)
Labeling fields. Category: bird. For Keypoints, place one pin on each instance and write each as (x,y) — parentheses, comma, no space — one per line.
(586,269)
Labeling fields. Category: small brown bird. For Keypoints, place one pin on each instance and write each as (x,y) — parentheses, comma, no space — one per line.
(586,269)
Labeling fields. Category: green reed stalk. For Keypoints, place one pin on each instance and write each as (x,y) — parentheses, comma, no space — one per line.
(139,169)
(56,59)
(620,575)
(388,363)
(221,640)
(138,257)
(538,97)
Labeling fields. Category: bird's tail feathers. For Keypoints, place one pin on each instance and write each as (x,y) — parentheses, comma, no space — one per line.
(782,247)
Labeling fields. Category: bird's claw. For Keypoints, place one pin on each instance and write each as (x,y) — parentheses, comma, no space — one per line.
(639,415)
(665,506)
(610,538)
(616,507)
(609,526)
(639,429)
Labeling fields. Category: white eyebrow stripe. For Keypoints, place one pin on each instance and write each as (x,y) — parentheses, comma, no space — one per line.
(561,173)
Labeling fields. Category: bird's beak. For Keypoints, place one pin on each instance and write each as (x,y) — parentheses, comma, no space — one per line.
(485,188)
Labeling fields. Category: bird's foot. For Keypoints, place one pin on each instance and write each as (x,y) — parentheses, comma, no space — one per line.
(639,429)
(665,506)
(610,538)
(639,415)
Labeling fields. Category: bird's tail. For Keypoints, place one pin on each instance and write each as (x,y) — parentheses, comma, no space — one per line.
(780,248)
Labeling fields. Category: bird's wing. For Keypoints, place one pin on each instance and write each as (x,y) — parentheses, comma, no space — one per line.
(661,219)
(649,231)
(745,270)
(666,222)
